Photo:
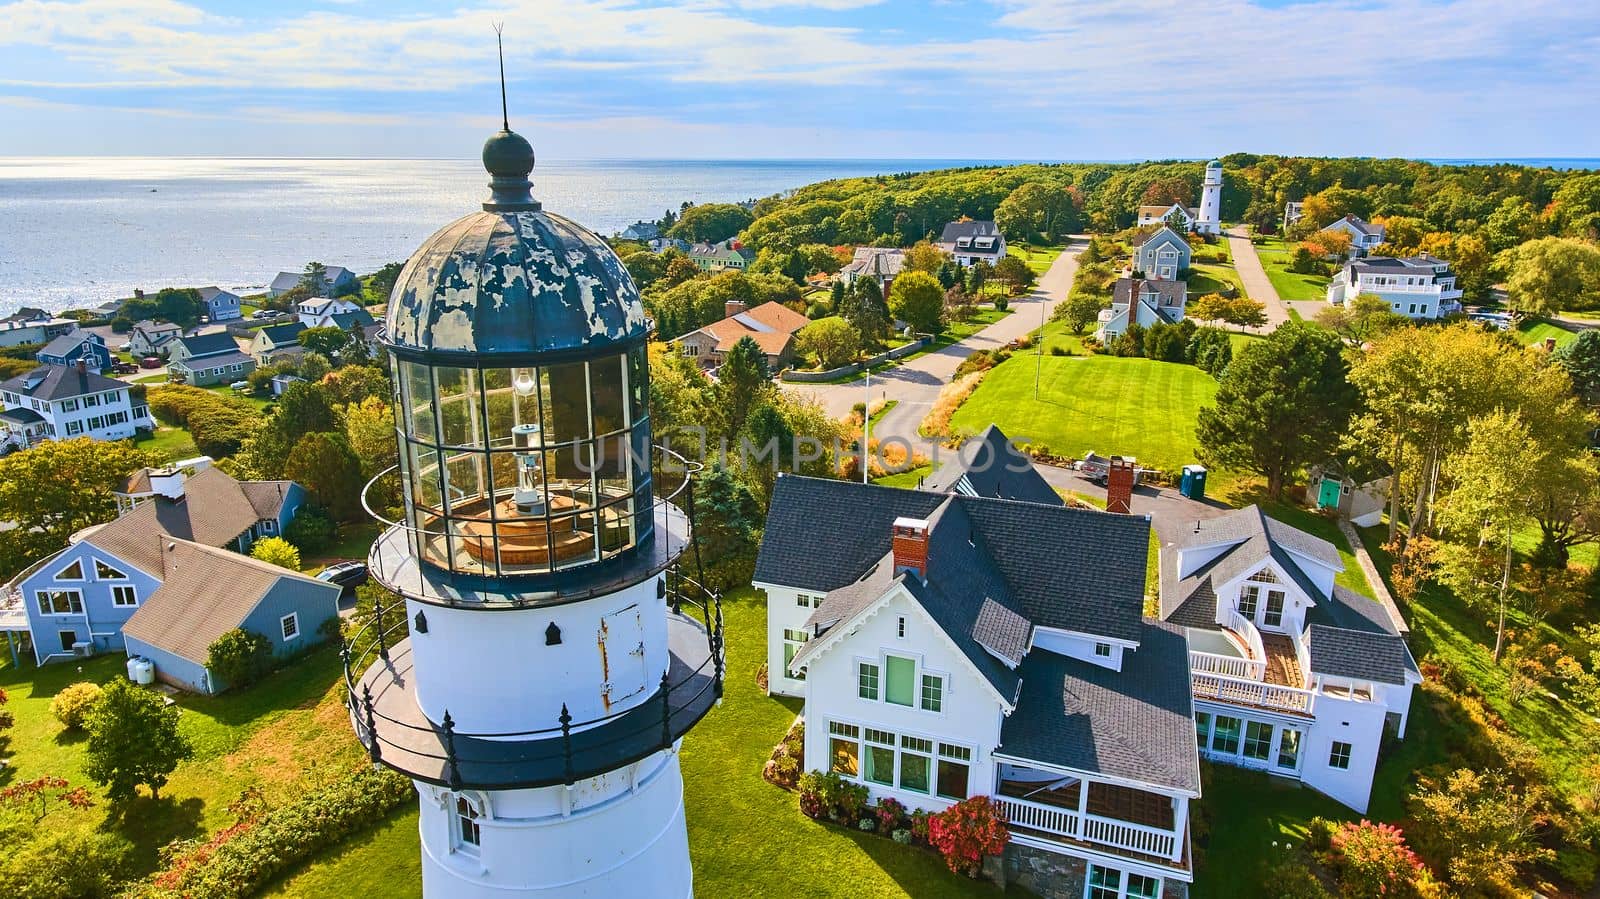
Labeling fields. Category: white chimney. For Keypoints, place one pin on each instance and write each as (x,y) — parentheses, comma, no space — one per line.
(168,482)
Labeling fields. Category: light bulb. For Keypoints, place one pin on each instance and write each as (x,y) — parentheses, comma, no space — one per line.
(522,381)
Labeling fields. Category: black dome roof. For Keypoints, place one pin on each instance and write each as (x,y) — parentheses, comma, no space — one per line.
(505,282)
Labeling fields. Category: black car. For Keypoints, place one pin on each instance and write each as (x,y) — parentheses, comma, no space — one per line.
(348,575)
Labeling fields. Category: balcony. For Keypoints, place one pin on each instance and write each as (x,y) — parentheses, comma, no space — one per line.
(1100,821)
(1240,665)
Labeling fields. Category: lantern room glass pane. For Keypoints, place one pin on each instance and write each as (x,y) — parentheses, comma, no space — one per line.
(607,395)
(638,383)
(417,390)
(565,393)
(459,407)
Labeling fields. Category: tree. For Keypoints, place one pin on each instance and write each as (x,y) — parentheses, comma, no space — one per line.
(742,381)
(314,280)
(1245,313)
(1167,191)
(381,282)
(1080,308)
(1213,307)
(239,657)
(977,277)
(1283,402)
(728,523)
(866,310)
(369,428)
(356,350)
(327,340)
(1016,273)
(133,741)
(304,407)
(276,551)
(1212,350)
(1554,274)
(1329,244)
(923,257)
(1480,827)
(645,267)
(680,269)
(836,297)
(831,340)
(1363,318)
(711,222)
(918,300)
(311,531)
(356,383)
(53,490)
(327,467)
(1580,359)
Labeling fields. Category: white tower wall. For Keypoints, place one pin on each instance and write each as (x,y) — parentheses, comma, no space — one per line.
(1210,219)
(618,835)
(494,673)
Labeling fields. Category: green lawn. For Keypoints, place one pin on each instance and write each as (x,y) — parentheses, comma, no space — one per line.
(1213,278)
(907,479)
(747,837)
(1126,406)
(1247,812)
(1532,331)
(954,333)
(173,443)
(1038,258)
(227,392)
(1274,255)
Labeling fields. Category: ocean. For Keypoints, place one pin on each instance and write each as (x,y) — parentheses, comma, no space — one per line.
(75,232)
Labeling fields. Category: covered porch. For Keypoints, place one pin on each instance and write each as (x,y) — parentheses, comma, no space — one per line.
(1077,810)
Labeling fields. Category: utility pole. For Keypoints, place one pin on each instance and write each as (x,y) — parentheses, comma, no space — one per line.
(1038,347)
(866,429)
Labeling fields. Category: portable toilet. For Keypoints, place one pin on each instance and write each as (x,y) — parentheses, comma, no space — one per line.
(1193,484)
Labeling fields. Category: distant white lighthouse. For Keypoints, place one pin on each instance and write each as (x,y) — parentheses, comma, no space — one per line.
(548,656)
(1210,219)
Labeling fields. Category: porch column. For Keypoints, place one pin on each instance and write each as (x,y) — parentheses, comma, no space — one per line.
(1180,823)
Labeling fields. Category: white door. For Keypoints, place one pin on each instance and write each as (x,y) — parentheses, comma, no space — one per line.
(622,655)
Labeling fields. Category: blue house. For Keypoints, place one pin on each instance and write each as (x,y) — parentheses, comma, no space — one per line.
(80,600)
(221,305)
(74,345)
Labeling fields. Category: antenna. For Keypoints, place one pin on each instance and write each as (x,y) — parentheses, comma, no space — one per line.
(499,43)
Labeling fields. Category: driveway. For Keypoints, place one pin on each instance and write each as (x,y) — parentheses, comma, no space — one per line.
(916,384)
(1256,285)
(1171,513)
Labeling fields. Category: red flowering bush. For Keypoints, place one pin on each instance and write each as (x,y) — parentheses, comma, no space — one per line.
(890,813)
(1373,860)
(967,831)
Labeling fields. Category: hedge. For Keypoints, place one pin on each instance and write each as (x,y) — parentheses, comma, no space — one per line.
(242,859)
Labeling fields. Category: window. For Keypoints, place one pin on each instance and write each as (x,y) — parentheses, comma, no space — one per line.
(291,625)
(867,680)
(802,600)
(1247,601)
(955,762)
(792,641)
(900,627)
(1339,756)
(1257,741)
(105,572)
(1104,883)
(59,602)
(916,758)
(69,406)
(1225,736)
(73,572)
(901,685)
(880,757)
(1103,650)
(1288,748)
(74,427)
(933,692)
(844,748)
(1142,887)
(467,835)
(1273,616)
(123,596)
(1202,728)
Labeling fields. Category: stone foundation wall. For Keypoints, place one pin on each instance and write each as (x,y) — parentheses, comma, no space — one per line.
(1053,875)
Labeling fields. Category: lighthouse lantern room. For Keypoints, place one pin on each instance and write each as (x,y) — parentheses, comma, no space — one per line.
(543,654)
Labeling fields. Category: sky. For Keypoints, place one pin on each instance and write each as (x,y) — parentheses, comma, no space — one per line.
(734,79)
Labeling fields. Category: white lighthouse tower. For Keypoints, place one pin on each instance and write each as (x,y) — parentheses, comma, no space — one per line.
(546,656)
(1210,218)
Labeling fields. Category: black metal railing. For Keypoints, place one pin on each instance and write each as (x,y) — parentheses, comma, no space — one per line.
(565,752)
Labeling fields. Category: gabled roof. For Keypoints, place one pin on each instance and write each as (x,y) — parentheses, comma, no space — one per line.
(60,382)
(213,344)
(1172,293)
(215,510)
(1249,539)
(284,334)
(1165,233)
(206,592)
(1136,724)
(1352,636)
(988,465)
(954,231)
(1072,569)
(154,327)
(1359,226)
(290,280)
(771,325)
(1157,211)
(883,262)
(70,341)
(208,294)
(202,363)
(343,320)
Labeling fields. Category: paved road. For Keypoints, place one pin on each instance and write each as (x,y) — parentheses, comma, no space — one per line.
(916,384)
(1256,285)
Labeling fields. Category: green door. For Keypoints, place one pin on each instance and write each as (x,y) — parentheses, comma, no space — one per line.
(1328,496)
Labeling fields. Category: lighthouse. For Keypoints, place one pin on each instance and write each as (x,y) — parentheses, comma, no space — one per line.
(545,655)
(1210,218)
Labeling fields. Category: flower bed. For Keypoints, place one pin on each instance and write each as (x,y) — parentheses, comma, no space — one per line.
(788,757)
(962,834)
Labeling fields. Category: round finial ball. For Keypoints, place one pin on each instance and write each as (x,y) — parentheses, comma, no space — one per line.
(508,154)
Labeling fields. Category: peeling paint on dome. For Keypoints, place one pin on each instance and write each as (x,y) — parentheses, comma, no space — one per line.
(509,282)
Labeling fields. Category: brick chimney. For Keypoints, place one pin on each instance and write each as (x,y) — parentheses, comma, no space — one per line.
(734,307)
(83,366)
(1119,485)
(911,546)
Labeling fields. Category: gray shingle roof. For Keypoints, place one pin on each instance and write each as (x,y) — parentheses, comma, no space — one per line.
(59,382)
(1352,636)
(1073,569)
(1254,538)
(988,465)
(1126,290)
(70,341)
(1164,232)
(1137,723)
(956,230)
(284,334)
(214,344)
(206,363)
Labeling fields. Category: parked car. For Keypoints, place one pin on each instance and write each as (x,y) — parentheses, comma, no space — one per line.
(124,347)
(124,368)
(150,362)
(240,386)
(263,313)
(348,575)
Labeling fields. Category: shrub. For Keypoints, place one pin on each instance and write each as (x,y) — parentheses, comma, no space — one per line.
(967,831)
(311,531)
(239,860)
(951,396)
(868,824)
(1289,879)
(831,795)
(1479,827)
(901,836)
(239,657)
(69,864)
(1060,351)
(276,551)
(1001,304)
(1319,835)
(72,705)
(1373,860)
(890,812)
(919,825)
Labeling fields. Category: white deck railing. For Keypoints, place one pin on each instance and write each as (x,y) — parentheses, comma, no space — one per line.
(1239,691)
(1232,666)
(1089,828)
(1246,628)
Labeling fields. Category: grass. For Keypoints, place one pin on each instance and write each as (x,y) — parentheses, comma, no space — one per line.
(1536,330)
(173,443)
(877,416)
(1275,255)
(907,479)
(1212,278)
(1131,407)
(227,392)
(954,333)
(266,737)
(746,837)
(354,542)
(1038,258)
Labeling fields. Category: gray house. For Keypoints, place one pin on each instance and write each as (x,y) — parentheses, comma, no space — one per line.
(206,359)
(151,338)
(1161,254)
(337,281)
(971,242)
